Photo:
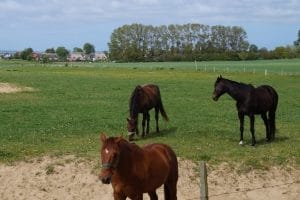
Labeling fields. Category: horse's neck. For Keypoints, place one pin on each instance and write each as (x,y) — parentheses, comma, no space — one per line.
(130,156)
(134,106)
(237,91)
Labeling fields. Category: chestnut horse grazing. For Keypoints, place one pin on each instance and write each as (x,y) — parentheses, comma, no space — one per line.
(262,100)
(143,99)
(133,171)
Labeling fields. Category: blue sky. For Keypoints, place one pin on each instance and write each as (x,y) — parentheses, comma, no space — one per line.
(42,24)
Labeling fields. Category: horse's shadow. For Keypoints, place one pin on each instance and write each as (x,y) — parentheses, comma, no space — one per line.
(263,141)
(161,133)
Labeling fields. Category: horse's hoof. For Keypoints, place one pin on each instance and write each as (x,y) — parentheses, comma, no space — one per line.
(241,142)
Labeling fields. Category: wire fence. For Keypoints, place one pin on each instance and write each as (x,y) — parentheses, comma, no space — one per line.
(204,193)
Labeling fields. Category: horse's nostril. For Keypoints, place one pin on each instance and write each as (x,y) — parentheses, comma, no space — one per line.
(105,180)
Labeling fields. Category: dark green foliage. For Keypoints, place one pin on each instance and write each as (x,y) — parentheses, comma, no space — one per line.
(62,53)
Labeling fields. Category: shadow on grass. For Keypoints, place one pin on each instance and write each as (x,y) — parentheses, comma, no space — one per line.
(161,133)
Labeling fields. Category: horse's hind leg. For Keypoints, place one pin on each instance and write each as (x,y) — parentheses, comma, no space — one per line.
(156,118)
(268,133)
(241,117)
(252,119)
(153,195)
(272,124)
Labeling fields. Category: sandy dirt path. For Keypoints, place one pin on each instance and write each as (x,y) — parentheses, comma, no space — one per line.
(67,178)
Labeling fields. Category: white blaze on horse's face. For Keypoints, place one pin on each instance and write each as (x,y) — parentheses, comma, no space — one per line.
(106,151)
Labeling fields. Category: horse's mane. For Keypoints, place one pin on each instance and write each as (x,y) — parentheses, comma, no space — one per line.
(130,146)
(238,83)
(133,106)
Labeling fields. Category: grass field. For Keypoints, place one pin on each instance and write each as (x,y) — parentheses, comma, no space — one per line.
(72,105)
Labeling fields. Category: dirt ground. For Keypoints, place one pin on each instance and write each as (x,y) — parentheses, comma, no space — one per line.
(11,88)
(67,178)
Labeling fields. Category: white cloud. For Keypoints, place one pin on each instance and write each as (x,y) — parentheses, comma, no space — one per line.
(155,11)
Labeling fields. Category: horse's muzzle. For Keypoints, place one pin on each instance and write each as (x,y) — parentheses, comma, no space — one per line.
(106,180)
(215,98)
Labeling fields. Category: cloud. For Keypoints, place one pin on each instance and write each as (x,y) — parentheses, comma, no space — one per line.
(155,11)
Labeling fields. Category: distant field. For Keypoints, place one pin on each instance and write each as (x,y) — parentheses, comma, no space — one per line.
(72,105)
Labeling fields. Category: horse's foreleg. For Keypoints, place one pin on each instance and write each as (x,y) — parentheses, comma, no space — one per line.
(252,119)
(148,120)
(153,195)
(241,117)
(267,124)
(156,118)
(143,123)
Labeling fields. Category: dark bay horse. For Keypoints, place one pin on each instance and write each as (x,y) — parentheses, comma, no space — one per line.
(133,171)
(143,99)
(250,101)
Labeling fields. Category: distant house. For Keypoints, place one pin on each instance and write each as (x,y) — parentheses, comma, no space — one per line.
(76,56)
(51,56)
(36,56)
(99,56)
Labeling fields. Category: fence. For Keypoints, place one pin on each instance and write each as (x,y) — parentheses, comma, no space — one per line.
(204,195)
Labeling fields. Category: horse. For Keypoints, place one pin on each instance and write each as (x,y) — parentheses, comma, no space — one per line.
(143,99)
(250,101)
(133,170)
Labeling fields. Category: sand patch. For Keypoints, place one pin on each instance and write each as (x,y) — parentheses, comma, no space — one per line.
(69,178)
(13,88)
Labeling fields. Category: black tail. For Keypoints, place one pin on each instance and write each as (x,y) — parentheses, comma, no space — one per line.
(272,113)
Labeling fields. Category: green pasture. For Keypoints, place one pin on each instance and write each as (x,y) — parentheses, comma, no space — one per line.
(73,103)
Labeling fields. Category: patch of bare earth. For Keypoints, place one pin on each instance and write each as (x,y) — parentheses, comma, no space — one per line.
(69,178)
(12,88)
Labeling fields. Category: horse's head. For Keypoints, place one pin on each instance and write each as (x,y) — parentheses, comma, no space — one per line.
(110,156)
(220,88)
(131,126)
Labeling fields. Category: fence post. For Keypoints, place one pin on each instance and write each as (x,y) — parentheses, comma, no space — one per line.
(203,181)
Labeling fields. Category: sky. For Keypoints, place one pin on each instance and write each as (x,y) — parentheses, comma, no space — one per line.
(42,24)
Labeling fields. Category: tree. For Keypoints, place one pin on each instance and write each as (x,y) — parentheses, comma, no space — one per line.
(297,42)
(88,48)
(26,54)
(62,53)
(50,50)
(253,48)
(77,49)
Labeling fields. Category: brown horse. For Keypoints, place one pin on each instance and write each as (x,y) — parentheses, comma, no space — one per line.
(133,171)
(143,99)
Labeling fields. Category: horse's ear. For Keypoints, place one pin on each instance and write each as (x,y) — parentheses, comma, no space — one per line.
(102,137)
(220,76)
(128,119)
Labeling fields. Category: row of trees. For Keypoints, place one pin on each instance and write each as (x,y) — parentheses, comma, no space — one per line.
(61,52)
(188,42)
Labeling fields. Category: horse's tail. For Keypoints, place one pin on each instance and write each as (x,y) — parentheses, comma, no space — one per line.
(170,186)
(272,112)
(162,111)
(161,107)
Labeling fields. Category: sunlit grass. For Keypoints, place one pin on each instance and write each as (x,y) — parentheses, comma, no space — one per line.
(72,105)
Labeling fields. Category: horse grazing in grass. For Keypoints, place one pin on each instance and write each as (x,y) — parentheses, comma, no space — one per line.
(250,101)
(133,171)
(143,99)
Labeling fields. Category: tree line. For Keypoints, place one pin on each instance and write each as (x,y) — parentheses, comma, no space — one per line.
(189,42)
